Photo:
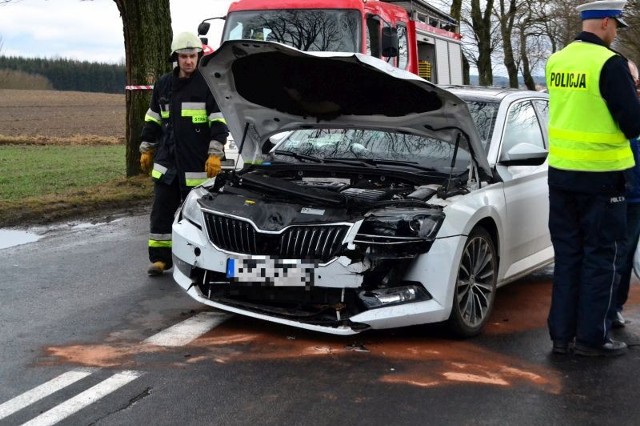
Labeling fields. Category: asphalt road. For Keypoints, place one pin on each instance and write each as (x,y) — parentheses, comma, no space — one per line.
(87,338)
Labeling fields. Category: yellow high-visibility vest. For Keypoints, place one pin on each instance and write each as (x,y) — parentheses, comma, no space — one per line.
(583,135)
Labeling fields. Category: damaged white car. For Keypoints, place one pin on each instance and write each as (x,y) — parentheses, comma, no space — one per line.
(368,199)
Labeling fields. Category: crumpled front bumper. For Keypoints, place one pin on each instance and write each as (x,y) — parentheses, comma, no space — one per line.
(192,249)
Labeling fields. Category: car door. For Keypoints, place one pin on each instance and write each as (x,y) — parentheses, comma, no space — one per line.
(522,165)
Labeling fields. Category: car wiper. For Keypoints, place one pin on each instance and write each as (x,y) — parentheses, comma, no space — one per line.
(298,156)
(413,164)
(376,162)
(349,161)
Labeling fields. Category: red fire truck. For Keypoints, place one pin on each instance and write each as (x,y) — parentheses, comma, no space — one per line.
(411,35)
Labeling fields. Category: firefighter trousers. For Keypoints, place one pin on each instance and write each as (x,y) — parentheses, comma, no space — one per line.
(167,199)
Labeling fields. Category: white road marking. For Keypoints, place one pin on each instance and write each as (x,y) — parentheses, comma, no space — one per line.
(42,391)
(177,335)
(188,330)
(82,400)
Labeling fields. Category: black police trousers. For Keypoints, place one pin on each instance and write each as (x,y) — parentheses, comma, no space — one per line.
(587,232)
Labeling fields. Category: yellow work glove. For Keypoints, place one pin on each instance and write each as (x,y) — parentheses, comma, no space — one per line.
(212,166)
(146,161)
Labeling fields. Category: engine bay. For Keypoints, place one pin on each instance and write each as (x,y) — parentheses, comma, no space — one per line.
(355,192)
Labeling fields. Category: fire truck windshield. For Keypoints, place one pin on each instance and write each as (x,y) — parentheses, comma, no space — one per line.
(304,29)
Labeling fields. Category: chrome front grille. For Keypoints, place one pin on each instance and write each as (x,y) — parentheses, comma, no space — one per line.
(296,242)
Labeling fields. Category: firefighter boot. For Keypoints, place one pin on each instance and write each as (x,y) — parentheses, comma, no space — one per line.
(156,268)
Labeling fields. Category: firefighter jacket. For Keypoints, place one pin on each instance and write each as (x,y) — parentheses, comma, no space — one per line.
(182,121)
(583,135)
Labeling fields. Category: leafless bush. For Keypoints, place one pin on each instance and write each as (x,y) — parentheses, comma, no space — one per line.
(11,79)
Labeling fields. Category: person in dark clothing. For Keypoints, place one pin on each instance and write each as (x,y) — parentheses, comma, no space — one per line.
(182,143)
(633,225)
(593,112)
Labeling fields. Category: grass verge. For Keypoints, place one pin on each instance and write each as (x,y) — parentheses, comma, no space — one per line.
(124,194)
(40,184)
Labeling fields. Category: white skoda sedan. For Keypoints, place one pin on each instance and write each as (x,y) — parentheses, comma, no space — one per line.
(369,197)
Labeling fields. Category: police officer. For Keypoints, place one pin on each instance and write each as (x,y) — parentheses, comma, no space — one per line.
(182,142)
(633,225)
(593,112)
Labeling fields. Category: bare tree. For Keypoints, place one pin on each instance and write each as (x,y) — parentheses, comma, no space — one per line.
(506,14)
(534,50)
(628,41)
(562,22)
(481,23)
(147,44)
(532,46)
(456,13)
(526,40)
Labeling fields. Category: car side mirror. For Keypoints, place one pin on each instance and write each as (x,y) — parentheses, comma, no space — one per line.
(390,44)
(203,28)
(524,154)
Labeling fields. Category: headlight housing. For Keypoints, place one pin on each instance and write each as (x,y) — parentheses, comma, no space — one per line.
(402,224)
(395,233)
(191,208)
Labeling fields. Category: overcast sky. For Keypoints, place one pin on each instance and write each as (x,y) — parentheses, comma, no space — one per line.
(88,30)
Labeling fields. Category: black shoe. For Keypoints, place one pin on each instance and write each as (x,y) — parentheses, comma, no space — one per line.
(618,321)
(611,348)
(560,347)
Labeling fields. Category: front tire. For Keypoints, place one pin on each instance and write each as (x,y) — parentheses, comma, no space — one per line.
(475,290)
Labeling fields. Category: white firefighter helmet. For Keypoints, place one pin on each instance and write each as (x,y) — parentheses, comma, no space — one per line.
(185,43)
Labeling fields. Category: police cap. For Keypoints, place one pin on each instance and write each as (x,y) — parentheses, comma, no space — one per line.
(603,9)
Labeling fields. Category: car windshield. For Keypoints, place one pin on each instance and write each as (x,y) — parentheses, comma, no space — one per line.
(304,29)
(484,116)
(372,147)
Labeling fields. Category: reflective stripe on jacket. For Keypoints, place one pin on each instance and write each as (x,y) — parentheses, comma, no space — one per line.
(191,179)
(183,118)
(583,136)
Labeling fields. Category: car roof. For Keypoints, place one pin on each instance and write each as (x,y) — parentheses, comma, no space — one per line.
(495,94)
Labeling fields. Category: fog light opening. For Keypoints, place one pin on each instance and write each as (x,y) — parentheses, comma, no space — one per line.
(389,296)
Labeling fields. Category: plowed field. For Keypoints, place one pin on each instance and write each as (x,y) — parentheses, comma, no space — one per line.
(44,114)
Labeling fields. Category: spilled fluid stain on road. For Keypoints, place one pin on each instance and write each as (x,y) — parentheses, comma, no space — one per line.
(100,355)
(422,359)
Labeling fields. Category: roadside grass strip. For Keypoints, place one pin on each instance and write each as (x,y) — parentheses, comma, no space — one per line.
(84,399)
(36,394)
(188,330)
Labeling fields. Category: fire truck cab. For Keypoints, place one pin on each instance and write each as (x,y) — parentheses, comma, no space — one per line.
(411,35)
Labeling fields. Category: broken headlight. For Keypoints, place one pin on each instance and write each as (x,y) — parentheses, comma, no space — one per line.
(401,224)
(191,208)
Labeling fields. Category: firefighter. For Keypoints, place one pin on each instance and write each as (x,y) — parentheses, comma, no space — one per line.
(593,112)
(182,142)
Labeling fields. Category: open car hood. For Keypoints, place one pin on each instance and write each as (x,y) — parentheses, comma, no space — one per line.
(264,88)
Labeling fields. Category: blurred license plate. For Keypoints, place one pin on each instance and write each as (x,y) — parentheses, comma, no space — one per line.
(270,271)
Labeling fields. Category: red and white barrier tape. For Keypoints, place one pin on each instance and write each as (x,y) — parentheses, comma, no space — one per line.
(138,87)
